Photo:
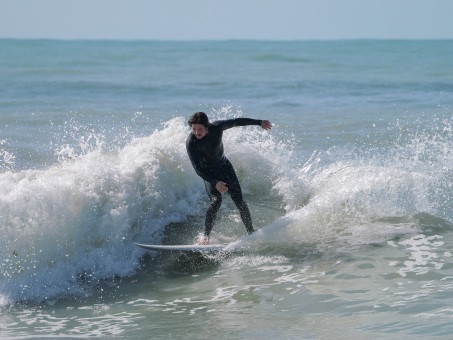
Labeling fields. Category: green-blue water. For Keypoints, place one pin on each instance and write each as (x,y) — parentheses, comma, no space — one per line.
(351,190)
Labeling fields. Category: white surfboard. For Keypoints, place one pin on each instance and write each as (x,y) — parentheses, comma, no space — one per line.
(208,248)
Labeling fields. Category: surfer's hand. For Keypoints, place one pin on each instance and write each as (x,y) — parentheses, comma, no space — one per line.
(221,186)
(266,125)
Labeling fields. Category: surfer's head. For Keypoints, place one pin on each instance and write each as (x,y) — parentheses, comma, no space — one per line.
(199,118)
(199,122)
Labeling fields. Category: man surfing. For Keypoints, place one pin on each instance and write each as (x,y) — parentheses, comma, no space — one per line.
(205,149)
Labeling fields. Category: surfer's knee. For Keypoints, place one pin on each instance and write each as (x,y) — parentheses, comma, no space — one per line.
(216,202)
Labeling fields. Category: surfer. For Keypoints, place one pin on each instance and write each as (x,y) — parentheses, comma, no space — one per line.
(205,148)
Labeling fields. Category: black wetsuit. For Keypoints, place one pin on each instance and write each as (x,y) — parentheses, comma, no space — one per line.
(209,161)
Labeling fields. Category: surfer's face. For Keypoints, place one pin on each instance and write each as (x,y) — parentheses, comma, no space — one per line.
(199,130)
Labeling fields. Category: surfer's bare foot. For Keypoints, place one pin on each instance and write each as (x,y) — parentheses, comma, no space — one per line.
(203,240)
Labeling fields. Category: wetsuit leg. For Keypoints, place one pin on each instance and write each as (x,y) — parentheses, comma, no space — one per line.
(211,213)
(235,191)
(246,216)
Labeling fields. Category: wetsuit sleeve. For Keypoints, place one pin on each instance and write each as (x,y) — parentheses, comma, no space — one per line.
(229,123)
(195,159)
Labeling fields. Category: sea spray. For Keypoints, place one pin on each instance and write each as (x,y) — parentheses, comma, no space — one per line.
(80,217)
(72,225)
(7,158)
(354,195)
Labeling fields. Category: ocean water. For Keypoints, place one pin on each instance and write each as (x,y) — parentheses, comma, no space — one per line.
(351,190)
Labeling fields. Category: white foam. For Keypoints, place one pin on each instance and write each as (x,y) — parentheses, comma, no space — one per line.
(79,218)
(74,223)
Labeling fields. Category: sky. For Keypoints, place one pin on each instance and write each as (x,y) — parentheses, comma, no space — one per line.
(227,19)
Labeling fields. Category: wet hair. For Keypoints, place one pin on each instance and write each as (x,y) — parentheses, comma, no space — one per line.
(199,118)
